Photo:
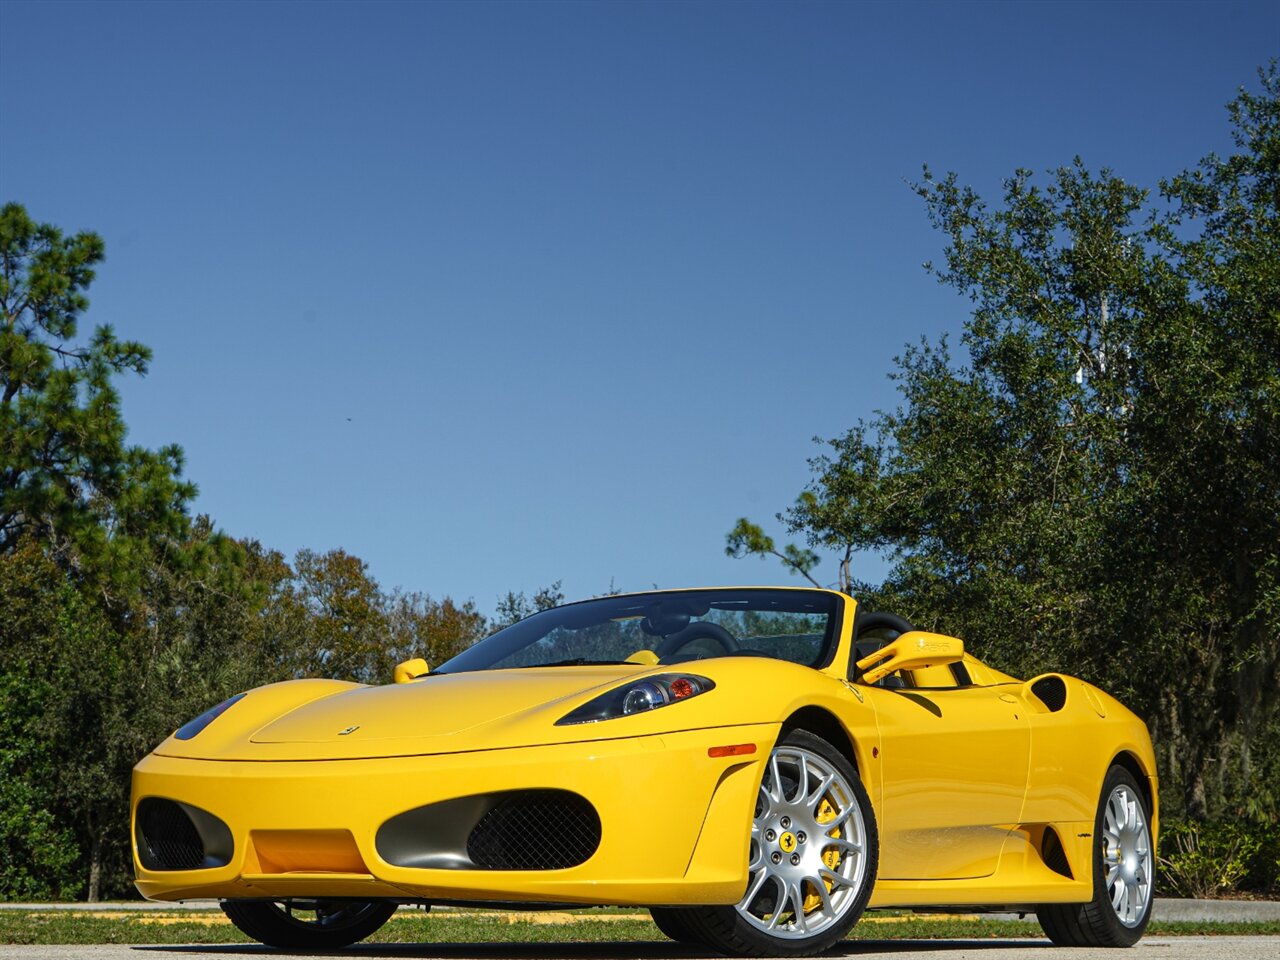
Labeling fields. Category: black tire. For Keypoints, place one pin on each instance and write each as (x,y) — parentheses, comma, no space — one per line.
(673,925)
(844,847)
(1115,917)
(308,924)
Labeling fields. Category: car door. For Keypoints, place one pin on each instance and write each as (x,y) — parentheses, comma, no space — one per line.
(954,772)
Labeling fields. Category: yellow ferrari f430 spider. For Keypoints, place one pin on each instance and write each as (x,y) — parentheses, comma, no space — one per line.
(757,766)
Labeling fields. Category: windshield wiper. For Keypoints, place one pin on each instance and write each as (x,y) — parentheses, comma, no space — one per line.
(579,662)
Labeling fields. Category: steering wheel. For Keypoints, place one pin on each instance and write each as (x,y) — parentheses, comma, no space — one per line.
(698,631)
(868,622)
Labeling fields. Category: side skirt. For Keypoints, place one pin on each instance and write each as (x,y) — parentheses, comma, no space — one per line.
(1022,875)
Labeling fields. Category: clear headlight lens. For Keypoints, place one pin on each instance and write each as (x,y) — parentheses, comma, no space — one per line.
(190,729)
(639,696)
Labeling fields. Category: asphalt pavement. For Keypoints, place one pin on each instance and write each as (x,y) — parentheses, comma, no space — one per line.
(1150,948)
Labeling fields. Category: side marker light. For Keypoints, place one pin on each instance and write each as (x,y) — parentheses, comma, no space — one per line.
(735,750)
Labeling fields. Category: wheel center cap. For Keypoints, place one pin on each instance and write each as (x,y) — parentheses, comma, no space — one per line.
(787,842)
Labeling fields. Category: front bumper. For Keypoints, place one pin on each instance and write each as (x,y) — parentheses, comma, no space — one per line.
(675,822)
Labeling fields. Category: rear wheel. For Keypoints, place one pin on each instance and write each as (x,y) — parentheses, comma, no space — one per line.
(308,924)
(813,858)
(1123,874)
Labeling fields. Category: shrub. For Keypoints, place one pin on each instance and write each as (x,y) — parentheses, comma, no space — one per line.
(1263,873)
(1209,859)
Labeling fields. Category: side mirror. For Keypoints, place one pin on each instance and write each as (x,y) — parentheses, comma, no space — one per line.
(911,651)
(411,670)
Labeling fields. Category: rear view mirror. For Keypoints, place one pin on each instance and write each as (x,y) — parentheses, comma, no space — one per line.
(411,670)
(911,651)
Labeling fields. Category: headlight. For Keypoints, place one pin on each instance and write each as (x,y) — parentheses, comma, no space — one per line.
(189,730)
(640,696)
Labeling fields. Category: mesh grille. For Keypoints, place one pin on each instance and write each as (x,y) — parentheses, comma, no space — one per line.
(169,835)
(1051,691)
(535,830)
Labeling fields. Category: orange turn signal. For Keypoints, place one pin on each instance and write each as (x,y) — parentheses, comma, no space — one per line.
(735,750)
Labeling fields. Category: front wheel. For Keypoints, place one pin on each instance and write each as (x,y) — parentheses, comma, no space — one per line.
(1123,874)
(308,924)
(674,926)
(814,851)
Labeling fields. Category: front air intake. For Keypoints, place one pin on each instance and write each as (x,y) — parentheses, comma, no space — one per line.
(535,830)
(178,836)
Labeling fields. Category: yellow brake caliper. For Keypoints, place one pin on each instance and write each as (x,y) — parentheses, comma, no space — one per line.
(831,856)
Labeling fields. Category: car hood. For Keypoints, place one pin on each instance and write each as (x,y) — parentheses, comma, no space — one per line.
(431,707)
(441,713)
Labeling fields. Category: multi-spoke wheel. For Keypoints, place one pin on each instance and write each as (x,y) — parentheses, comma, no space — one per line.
(1123,873)
(1126,855)
(812,862)
(308,924)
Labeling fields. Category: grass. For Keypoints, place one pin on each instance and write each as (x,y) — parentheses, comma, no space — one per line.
(411,926)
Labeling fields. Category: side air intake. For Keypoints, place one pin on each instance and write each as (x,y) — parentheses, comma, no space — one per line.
(1051,691)
(1055,858)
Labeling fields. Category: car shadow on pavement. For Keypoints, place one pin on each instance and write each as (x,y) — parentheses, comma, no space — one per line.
(621,950)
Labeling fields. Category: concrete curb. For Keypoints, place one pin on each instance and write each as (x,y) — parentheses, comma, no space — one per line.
(1217,911)
(1175,910)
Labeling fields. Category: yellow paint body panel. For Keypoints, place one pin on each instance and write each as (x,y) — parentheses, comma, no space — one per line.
(965,782)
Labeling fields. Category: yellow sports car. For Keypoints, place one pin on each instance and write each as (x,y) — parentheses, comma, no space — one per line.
(757,766)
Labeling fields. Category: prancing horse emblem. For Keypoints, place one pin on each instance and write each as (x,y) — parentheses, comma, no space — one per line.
(343,733)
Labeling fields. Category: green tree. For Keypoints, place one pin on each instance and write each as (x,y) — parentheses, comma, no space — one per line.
(120,653)
(513,607)
(432,629)
(67,476)
(749,539)
(1095,486)
(38,848)
(330,620)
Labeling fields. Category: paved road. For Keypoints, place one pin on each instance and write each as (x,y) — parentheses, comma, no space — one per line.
(1150,948)
(1165,908)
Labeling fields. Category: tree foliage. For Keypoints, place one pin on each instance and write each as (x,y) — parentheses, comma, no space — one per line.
(516,606)
(1094,485)
(67,476)
(37,847)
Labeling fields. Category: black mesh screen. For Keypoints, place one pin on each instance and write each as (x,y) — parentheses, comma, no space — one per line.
(1051,691)
(535,830)
(168,834)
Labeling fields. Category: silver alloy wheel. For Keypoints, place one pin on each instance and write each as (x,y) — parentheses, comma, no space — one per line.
(1126,855)
(808,843)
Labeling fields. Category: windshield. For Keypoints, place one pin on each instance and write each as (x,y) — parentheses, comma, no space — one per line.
(671,627)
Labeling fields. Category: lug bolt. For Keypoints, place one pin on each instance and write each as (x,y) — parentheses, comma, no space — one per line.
(801,837)
(786,823)
(770,836)
(795,859)
(777,857)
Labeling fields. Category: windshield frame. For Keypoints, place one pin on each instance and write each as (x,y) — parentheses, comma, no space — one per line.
(507,642)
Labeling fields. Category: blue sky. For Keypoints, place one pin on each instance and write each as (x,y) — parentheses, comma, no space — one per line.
(496,294)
